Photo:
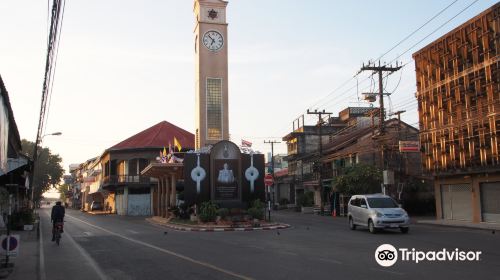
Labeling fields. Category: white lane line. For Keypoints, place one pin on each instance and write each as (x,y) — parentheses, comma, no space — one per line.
(43,276)
(186,258)
(86,256)
(132,231)
(87,233)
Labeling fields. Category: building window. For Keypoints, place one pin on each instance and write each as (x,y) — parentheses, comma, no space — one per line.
(214,109)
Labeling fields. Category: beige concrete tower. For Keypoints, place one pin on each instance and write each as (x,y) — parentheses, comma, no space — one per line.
(212,122)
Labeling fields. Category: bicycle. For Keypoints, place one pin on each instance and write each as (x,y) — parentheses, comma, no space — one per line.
(58,230)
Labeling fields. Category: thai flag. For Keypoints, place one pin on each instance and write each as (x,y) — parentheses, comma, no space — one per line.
(245,143)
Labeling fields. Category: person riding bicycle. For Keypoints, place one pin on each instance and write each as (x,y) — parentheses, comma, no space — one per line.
(57,216)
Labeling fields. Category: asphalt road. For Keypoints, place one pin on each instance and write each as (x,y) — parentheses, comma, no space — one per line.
(115,247)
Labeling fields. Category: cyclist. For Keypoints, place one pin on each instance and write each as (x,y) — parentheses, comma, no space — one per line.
(57,216)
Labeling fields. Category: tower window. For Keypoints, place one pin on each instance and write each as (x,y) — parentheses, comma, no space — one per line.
(214,109)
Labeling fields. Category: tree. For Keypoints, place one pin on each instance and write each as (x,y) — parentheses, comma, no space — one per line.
(48,169)
(359,179)
(62,191)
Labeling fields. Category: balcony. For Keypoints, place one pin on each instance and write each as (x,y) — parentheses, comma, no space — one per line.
(126,180)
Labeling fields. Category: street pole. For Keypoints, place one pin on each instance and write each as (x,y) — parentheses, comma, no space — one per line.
(272,142)
(380,69)
(320,155)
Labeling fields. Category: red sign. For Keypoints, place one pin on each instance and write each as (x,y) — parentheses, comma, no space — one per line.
(268,180)
(409,146)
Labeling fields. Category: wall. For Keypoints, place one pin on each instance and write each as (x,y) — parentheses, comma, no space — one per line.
(139,204)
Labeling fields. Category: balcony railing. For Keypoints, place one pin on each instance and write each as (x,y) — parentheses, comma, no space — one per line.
(126,179)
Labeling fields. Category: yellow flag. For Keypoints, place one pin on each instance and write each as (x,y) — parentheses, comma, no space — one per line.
(164,152)
(177,144)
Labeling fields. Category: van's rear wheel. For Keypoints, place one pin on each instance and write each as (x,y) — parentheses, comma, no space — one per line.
(371,227)
(352,226)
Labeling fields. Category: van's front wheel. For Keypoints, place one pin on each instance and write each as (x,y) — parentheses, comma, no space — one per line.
(352,226)
(371,227)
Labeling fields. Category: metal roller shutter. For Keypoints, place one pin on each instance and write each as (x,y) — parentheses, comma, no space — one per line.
(490,202)
(457,202)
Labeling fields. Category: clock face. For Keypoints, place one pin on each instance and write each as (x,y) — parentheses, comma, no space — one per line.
(213,40)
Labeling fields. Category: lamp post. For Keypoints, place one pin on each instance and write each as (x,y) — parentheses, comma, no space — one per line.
(35,157)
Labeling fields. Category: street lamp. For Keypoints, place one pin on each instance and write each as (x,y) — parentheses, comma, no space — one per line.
(35,157)
(50,134)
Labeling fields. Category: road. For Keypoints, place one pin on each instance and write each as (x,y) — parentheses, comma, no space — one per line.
(116,247)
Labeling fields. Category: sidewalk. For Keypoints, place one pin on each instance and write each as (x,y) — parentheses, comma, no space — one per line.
(26,263)
(461,224)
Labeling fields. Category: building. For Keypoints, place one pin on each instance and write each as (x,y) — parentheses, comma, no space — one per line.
(303,150)
(14,166)
(121,185)
(279,190)
(459,103)
(365,145)
(211,72)
(86,177)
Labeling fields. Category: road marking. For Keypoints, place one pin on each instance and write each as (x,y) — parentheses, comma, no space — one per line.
(132,231)
(330,261)
(87,233)
(186,258)
(43,276)
(388,271)
(86,256)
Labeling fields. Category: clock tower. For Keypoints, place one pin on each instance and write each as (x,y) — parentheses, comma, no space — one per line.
(210,46)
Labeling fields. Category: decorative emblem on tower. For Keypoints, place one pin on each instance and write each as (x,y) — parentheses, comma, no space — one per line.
(212,14)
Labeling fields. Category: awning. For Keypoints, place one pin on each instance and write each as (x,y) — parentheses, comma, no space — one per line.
(159,170)
(13,164)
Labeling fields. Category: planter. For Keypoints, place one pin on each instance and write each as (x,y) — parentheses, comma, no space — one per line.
(307,210)
(193,218)
(256,222)
(28,227)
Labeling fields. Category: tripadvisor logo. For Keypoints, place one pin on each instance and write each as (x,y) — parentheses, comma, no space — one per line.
(387,255)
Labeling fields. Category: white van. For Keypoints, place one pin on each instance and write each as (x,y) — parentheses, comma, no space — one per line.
(377,211)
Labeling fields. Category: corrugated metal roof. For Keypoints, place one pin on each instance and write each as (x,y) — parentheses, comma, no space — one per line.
(159,135)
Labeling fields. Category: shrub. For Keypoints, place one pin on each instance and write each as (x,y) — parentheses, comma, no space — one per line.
(257,209)
(223,212)
(256,213)
(23,217)
(306,199)
(258,204)
(208,212)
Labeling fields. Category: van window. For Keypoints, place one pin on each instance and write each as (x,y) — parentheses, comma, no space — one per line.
(355,202)
(382,202)
(362,202)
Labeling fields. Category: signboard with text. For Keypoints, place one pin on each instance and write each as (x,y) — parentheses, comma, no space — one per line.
(409,146)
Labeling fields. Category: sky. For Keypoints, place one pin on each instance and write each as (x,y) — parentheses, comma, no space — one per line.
(124,66)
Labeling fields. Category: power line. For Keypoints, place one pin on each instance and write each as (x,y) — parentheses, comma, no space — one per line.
(411,34)
(52,45)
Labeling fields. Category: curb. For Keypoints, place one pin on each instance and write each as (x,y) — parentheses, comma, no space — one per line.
(213,229)
(485,227)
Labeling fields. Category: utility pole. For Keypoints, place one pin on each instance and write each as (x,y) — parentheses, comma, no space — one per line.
(380,70)
(272,142)
(398,113)
(320,155)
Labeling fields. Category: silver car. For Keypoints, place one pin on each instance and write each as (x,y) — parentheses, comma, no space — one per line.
(377,211)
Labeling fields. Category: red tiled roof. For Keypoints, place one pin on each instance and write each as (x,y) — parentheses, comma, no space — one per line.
(157,136)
